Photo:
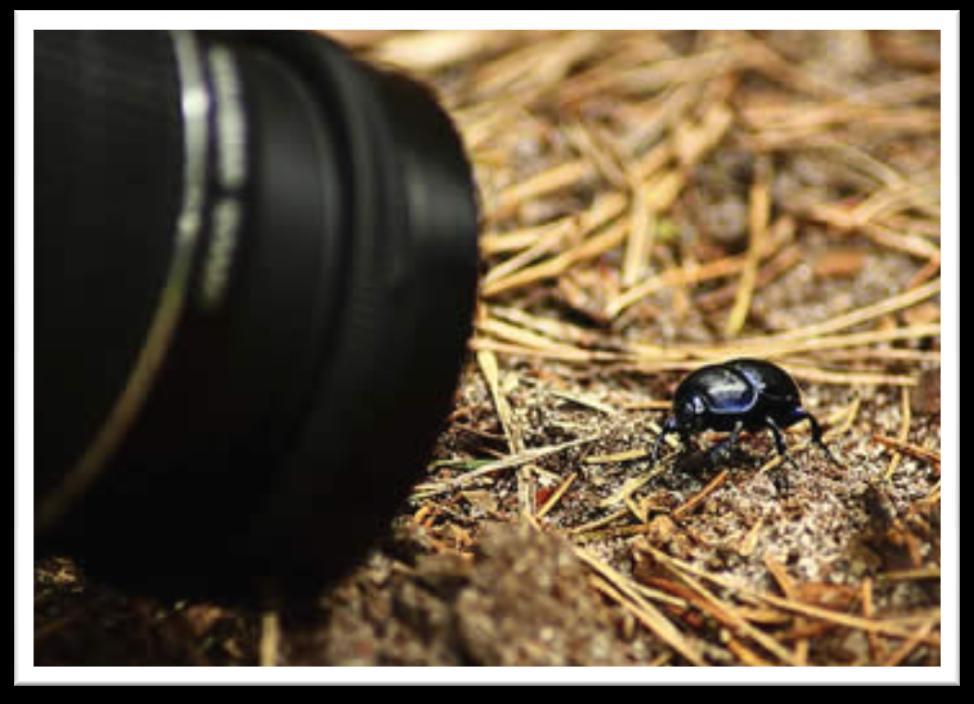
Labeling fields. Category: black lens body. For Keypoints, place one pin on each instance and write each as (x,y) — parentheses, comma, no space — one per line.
(255,273)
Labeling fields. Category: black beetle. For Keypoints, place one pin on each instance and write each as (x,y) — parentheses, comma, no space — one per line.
(736,395)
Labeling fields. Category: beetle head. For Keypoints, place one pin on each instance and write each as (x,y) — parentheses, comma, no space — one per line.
(690,412)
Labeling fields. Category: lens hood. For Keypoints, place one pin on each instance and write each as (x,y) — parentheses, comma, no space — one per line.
(285,360)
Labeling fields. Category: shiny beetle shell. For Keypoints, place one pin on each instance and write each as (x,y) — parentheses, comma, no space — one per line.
(739,394)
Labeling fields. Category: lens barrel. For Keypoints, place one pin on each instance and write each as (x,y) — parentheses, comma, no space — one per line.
(255,272)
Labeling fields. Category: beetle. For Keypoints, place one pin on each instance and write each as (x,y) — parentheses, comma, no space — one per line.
(735,395)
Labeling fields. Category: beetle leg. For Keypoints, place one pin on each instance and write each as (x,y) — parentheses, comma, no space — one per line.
(779,440)
(781,483)
(800,414)
(721,451)
(780,477)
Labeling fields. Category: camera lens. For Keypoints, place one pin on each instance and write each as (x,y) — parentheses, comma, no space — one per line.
(255,272)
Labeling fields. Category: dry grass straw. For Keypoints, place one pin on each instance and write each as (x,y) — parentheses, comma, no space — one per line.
(694,501)
(556,496)
(512,461)
(759,203)
(905,417)
(890,627)
(270,638)
(907,448)
(620,588)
